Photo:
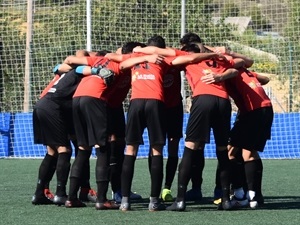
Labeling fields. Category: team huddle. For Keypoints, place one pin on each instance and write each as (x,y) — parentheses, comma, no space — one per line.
(83,105)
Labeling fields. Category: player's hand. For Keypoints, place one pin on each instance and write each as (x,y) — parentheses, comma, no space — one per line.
(107,75)
(154,58)
(210,78)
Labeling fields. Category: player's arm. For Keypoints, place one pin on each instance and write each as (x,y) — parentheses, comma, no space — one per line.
(155,50)
(130,62)
(82,53)
(262,79)
(193,58)
(114,56)
(76,60)
(214,78)
(248,62)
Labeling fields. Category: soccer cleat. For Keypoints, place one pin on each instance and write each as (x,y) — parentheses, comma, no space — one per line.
(194,194)
(135,196)
(117,196)
(60,200)
(88,195)
(166,195)
(177,206)
(76,203)
(92,196)
(218,201)
(156,206)
(106,205)
(238,203)
(48,194)
(125,205)
(226,205)
(41,200)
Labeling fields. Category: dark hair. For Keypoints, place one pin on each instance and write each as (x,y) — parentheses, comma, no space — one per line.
(191,47)
(102,52)
(129,46)
(190,37)
(157,41)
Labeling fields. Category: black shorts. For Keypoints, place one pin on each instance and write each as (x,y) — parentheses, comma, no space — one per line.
(90,121)
(144,113)
(252,130)
(51,125)
(209,111)
(116,121)
(174,121)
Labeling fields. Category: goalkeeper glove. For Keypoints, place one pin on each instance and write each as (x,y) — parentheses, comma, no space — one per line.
(107,75)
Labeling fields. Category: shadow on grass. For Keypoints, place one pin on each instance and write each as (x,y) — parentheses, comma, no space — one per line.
(271,202)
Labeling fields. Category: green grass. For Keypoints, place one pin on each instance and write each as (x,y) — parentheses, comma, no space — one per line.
(280,187)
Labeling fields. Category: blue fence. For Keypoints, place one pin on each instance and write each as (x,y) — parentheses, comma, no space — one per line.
(16,138)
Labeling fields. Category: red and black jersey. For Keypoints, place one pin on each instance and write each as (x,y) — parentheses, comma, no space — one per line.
(247,92)
(194,72)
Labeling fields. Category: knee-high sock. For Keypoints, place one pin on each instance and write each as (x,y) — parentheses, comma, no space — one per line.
(171,169)
(127,175)
(76,172)
(250,172)
(224,166)
(102,172)
(185,168)
(156,175)
(259,176)
(116,162)
(62,172)
(45,170)
(198,162)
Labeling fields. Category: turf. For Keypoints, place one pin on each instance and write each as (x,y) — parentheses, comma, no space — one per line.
(281,190)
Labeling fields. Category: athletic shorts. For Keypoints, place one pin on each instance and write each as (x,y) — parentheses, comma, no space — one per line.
(90,121)
(116,120)
(51,125)
(252,130)
(209,111)
(146,113)
(174,121)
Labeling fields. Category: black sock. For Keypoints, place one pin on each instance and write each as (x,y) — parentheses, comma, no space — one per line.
(237,174)
(250,172)
(157,168)
(86,173)
(102,172)
(198,162)
(224,166)
(258,177)
(43,176)
(116,161)
(127,174)
(76,172)
(62,172)
(184,175)
(171,169)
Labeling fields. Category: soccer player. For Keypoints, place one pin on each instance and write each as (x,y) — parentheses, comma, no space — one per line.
(53,126)
(252,127)
(211,108)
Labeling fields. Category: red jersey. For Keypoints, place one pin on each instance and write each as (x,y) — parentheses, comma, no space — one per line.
(147,80)
(52,82)
(247,92)
(94,85)
(194,72)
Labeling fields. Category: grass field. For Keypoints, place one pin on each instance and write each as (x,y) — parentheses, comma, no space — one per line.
(281,191)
